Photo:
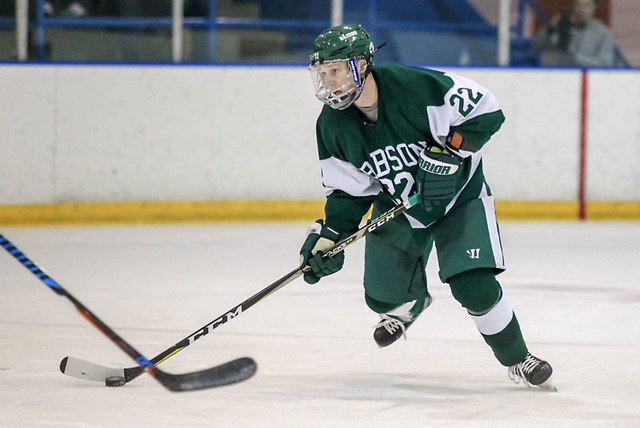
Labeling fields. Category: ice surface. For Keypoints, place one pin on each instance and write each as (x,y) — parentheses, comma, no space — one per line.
(575,288)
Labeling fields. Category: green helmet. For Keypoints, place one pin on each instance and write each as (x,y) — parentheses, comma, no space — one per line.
(337,70)
(343,42)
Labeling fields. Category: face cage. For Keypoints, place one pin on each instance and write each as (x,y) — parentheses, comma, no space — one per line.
(351,90)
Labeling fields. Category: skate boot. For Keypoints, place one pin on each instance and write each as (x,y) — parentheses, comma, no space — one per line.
(393,325)
(533,371)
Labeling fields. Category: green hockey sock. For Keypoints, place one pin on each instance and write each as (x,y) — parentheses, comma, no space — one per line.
(508,345)
(481,294)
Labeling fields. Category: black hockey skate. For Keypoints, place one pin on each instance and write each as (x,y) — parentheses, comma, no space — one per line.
(393,327)
(389,329)
(533,371)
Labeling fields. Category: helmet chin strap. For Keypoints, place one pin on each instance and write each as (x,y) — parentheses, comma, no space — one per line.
(355,71)
(358,78)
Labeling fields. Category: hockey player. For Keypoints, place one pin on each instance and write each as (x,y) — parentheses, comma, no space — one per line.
(384,134)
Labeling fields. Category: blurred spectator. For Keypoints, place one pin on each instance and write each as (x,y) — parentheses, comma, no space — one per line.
(72,8)
(62,8)
(577,39)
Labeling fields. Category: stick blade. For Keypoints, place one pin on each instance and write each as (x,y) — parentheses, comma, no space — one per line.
(81,369)
(228,373)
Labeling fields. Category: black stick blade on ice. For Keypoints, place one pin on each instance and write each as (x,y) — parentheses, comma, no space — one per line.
(225,374)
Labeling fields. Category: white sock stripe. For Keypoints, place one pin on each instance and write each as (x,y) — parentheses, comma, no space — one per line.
(496,319)
(403,311)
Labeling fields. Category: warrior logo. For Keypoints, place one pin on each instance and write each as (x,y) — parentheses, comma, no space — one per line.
(474,253)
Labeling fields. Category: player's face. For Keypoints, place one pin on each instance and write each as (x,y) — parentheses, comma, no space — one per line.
(336,77)
(334,83)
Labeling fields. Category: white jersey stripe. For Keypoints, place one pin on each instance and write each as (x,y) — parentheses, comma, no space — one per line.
(340,175)
(492,226)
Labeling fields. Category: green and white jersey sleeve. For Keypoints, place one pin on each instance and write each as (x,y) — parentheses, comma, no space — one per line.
(349,191)
(469,109)
(341,175)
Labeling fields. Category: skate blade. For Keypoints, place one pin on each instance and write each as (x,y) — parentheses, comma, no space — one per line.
(548,385)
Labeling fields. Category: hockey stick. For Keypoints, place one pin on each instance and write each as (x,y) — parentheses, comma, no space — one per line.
(232,372)
(78,368)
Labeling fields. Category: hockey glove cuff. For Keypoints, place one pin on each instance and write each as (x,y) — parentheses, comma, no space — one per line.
(320,238)
(437,177)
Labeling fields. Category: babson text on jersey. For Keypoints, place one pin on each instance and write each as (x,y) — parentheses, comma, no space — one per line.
(390,159)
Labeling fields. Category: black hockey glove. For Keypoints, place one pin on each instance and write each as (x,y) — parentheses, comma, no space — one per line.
(437,177)
(320,238)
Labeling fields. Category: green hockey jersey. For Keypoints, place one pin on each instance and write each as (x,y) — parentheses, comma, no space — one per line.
(417,108)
